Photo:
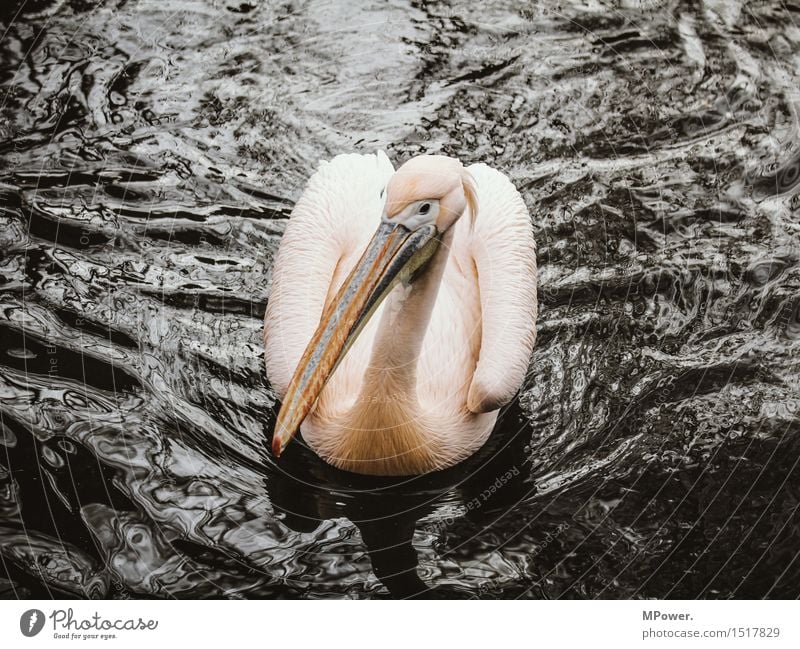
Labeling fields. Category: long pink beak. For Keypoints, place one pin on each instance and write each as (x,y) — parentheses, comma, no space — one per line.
(393,255)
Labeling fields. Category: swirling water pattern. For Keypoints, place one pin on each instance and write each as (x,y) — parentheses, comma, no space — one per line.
(150,153)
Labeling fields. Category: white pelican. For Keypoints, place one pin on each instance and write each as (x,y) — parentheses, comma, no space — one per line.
(402,313)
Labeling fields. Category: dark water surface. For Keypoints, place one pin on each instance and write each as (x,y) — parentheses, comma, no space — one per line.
(150,153)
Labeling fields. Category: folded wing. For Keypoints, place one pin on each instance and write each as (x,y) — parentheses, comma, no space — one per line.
(339,207)
(504,253)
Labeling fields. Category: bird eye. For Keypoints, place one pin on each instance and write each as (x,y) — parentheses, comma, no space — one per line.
(424,208)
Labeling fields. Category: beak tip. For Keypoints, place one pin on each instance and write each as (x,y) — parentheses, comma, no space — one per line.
(281,438)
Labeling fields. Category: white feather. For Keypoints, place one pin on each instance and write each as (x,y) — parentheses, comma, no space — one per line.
(477,343)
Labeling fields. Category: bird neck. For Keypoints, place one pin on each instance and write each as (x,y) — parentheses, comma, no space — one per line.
(392,371)
(385,434)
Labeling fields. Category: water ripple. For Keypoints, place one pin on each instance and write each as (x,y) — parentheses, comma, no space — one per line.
(149,158)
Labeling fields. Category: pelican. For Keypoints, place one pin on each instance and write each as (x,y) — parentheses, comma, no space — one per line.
(402,312)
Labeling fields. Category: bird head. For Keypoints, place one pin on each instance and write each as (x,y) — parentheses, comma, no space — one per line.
(423,199)
(429,190)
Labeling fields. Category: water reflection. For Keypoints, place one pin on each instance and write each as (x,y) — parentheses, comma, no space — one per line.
(149,159)
(387,512)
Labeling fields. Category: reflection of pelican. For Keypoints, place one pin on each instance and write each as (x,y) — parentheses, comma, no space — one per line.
(455,298)
(388,512)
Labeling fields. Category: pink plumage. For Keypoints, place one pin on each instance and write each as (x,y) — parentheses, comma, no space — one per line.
(420,386)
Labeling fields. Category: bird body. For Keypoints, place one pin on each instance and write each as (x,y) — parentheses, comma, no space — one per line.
(418,372)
